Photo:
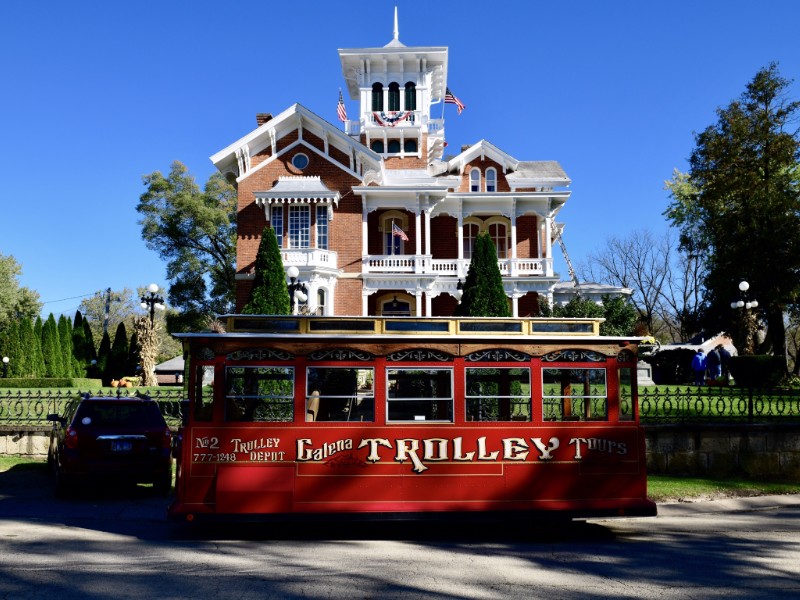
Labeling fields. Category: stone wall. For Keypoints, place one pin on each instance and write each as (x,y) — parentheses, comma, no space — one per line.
(750,451)
(25,440)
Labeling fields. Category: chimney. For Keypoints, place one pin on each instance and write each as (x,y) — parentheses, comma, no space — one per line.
(465,147)
(262,118)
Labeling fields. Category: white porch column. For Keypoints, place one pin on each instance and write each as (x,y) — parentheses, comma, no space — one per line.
(548,247)
(513,269)
(418,231)
(428,232)
(428,299)
(514,306)
(460,238)
(364,304)
(418,303)
(364,231)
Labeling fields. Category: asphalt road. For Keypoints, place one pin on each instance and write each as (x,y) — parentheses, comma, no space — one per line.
(118,544)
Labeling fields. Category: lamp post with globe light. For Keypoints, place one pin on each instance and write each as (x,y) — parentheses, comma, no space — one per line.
(152,301)
(5,366)
(298,293)
(746,304)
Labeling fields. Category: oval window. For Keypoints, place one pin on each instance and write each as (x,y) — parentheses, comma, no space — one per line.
(300,161)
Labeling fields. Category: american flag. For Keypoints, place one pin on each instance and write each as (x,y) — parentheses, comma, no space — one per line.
(399,232)
(450,98)
(341,110)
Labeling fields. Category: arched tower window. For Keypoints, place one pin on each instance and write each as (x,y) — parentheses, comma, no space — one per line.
(321,297)
(377,146)
(475,180)
(411,96)
(410,146)
(491,179)
(394,96)
(394,147)
(377,96)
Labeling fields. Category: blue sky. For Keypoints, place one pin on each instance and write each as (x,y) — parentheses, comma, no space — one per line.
(98,94)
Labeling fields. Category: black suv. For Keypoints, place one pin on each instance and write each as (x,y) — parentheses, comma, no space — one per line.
(120,438)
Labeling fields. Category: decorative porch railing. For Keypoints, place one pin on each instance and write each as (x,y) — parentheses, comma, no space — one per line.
(309,257)
(416,263)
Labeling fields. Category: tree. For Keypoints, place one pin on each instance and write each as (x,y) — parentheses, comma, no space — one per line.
(65,345)
(484,295)
(15,302)
(11,348)
(618,312)
(51,349)
(106,309)
(667,292)
(103,357)
(195,232)
(269,295)
(118,357)
(743,221)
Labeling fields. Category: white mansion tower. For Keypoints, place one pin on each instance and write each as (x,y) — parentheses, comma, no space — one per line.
(376,218)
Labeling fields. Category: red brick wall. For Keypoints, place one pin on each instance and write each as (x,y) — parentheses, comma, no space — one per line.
(344,235)
(502,184)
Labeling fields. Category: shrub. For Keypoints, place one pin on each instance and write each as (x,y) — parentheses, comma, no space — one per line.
(758,370)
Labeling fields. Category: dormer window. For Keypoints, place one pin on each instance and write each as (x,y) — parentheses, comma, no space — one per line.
(475,180)
(394,96)
(411,96)
(377,96)
(491,179)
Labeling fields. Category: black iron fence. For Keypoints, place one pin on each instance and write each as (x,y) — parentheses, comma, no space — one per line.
(718,404)
(31,407)
(662,404)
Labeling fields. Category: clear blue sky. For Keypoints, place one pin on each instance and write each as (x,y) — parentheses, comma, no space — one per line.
(97,94)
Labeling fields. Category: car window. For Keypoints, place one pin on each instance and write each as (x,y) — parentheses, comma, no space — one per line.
(144,414)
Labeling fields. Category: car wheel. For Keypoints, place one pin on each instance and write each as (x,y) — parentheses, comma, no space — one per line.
(63,485)
(163,483)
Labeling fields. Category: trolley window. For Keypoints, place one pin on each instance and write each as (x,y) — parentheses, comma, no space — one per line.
(574,394)
(625,394)
(204,393)
(419,394)
(340,394)
(259,393)
(498,394)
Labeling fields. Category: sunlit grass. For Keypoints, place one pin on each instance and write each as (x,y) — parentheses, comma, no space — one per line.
(663,488)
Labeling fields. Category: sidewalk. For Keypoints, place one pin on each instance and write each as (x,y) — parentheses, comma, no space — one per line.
(742,504)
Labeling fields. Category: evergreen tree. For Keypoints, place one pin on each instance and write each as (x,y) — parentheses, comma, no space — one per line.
(51,349)
(65,345)
(30,347)
(103,356)
(11,348)
(133,362)
(118,359)
(269,295)
(79,346)
(484,295)
(91,353)
(37,367)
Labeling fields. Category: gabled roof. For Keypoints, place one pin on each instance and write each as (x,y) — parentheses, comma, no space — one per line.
(540,173)
(235,158)
(482,149)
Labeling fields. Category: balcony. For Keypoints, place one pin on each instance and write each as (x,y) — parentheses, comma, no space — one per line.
(422,264)
(395,120)
(309,258)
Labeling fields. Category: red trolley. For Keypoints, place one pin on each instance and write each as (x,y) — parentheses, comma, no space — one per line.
(404,417)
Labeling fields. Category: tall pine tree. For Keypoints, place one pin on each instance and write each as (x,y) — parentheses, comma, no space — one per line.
(269,295)
(51,349)
(484,295)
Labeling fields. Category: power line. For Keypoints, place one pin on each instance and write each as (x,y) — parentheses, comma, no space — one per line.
(71,298)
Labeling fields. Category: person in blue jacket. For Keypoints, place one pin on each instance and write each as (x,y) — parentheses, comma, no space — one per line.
(699,367)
